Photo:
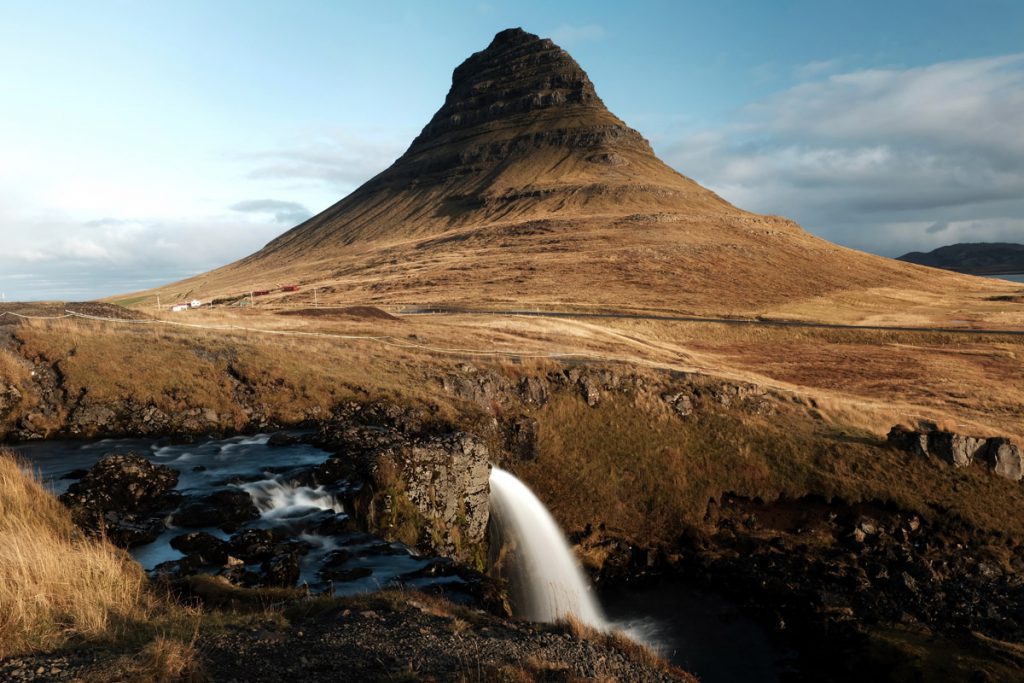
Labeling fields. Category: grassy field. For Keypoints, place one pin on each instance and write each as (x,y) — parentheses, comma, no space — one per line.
(297,366)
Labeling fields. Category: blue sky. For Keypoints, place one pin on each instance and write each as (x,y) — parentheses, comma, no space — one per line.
(141,142)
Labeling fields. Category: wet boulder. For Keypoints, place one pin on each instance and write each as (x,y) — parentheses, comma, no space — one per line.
(283,567)
(282,439)
(209,549)
(329,523)
(227,509)
(252,545)
(122,482)
(123,497)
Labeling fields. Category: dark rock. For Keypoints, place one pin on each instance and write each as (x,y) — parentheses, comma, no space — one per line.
(128,530)
(209,548)
(281,570)
(336,558)
(333,524)
(227,509)
(522,434)
(252,545)
(332,471)
(282,439)
(75,474)
(124,483)
(176,569)
(123,497)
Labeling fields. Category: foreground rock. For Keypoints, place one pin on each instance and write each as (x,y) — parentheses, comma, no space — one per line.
(423,483)
(123,497)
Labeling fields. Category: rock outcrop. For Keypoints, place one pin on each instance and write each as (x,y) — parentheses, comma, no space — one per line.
(123,497)
(1005,458)
(1001,455)
(422,482)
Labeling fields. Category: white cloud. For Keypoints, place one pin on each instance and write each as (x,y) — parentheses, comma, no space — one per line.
(874,158)
(285,213)
(340,160)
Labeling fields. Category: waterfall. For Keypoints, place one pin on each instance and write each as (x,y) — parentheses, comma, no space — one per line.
(530,551)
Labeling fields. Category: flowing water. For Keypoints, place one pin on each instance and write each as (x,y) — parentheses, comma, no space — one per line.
(269,475)
(529,550)
(690,628)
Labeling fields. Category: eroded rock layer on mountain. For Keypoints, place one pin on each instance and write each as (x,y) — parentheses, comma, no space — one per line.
(522,132)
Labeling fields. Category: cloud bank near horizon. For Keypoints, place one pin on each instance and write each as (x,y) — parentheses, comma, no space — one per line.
(885,160)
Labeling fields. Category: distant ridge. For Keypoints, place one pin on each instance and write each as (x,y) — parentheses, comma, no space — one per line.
(976,258)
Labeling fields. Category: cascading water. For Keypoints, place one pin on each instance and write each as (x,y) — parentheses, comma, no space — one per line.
(275,498)
(530,551)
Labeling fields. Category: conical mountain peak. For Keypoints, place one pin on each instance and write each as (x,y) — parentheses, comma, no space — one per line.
(522,134)
(516,74)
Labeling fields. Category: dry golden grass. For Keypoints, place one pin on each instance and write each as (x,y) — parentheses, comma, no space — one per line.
(299,367)
(673,468)
(56,583)
(12,369)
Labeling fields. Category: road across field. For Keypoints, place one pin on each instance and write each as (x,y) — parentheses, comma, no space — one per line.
(440,310)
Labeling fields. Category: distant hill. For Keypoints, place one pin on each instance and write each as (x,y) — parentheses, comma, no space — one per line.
(981,258)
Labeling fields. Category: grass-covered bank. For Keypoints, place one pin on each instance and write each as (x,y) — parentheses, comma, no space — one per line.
(62,589)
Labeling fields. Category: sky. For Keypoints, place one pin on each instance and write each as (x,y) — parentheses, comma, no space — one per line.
(142,142)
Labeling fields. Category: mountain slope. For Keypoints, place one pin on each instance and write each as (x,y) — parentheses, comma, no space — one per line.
(980,258)
(522,134)
(524,190)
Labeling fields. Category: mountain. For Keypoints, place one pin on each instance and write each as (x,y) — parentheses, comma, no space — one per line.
(522,134)
(525,190)
(979,258)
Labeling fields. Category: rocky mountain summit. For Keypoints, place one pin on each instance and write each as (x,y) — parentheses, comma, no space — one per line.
(522,133)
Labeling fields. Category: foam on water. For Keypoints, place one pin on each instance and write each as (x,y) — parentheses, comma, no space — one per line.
(275,498)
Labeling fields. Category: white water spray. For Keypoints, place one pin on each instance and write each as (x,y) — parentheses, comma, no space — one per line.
(275,499)
(529,550)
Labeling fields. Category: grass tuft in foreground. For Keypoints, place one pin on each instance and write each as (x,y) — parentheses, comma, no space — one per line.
(59,588)
(56,583)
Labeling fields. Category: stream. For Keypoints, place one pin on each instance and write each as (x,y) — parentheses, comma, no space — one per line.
(699,631)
